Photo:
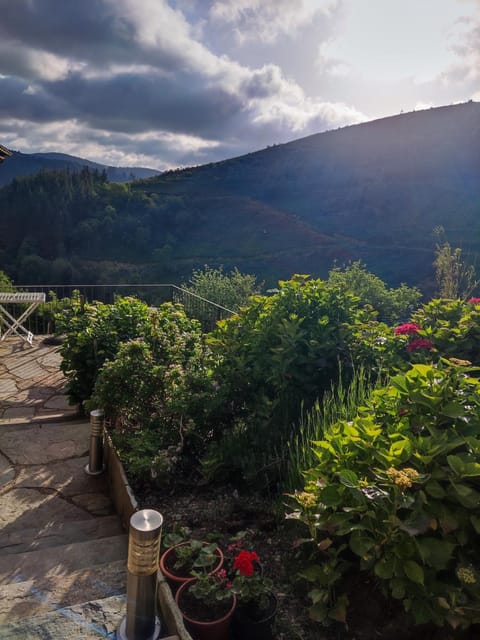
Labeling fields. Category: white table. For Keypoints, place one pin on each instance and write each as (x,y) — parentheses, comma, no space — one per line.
(15,325)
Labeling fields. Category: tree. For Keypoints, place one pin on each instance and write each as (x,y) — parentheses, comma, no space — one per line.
(392,305)
(5,282)
(230,290)
(455,279)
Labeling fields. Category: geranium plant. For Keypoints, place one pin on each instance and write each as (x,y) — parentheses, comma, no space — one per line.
(252,589)
(211,589)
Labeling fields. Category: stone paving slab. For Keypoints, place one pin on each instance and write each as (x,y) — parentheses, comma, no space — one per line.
(65,476)
(31,377)
(37,443)
(7,472)
(27,508)
(28,599)
(59,562)
(59,533)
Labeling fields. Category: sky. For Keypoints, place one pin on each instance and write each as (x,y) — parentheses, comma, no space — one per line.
(174,83)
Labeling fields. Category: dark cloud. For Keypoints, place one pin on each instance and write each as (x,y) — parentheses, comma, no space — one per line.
(19,101)
(122,69)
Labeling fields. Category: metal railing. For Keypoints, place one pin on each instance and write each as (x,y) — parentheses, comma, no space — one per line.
(42,322)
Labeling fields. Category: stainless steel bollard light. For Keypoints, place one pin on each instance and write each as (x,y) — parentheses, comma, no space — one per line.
(95,464)
(141,622)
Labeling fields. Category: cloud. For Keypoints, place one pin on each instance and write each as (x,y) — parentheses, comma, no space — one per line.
(266,19)
(126,71)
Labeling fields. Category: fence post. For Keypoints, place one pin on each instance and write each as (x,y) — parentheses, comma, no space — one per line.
(95,464)
(141,622)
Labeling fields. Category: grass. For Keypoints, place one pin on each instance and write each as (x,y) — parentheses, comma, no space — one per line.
(340,403)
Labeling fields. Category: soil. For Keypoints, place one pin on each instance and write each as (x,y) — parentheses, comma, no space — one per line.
(223,511)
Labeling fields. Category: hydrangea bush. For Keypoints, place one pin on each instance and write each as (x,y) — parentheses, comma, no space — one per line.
(395,496)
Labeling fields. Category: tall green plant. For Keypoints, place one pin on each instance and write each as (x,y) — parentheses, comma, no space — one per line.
(394,495)
(278,353)
(340,403)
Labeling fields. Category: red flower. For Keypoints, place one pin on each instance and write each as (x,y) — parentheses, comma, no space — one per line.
(474,301)
(419,343)
(409,328)
(244,562)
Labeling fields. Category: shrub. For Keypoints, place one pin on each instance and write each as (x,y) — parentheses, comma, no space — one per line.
(392,305)
(279,352)
(93,333)
(231,290)
(157,390)
(394,495)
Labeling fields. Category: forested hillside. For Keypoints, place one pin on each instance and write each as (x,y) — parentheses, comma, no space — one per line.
(373,192)
(27,164)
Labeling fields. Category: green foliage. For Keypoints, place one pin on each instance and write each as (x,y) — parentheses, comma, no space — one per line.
(156,390)
(5,283)
(340,403)
(394,493)
(93,333)
(452,326)
(455,278)
(230,290)
(279,352)
(196,555)
(392,305)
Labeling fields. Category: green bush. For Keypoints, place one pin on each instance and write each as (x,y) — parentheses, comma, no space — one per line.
(156,390)
(453,327)
(394,495)
(93,333)
(231,290)
(392,305)
(277,354)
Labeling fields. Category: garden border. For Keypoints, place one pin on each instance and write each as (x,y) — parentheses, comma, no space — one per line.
(126,505)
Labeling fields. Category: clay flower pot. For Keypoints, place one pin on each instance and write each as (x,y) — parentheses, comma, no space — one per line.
(177,577)
(217,628)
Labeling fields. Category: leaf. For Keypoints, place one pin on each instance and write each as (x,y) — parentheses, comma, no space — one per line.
(435,489)
(312,573)
(435,553)
(349,479)
(325,544)
(413,571)
(330,496)
(456,464)
(360,543)
(339,611)
(453,410)
(384,569)
(475,520)
(318,613)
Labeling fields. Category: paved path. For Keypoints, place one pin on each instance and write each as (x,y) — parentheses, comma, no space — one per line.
(62,549)
(31,383)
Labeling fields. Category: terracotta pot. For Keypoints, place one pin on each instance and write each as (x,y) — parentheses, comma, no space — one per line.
(255,628)
(176,579)
(200,630)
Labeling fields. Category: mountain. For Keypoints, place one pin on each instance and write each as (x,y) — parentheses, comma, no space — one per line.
(373,191)
(25,164)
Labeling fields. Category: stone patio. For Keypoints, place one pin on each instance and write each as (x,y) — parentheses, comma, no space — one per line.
(62,548)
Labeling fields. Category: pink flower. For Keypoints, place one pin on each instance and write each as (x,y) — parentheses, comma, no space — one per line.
(409,328)
(419,343)
(474,301)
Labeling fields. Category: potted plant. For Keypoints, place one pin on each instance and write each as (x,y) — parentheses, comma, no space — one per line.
(181,559)
(207,603)
(256,603)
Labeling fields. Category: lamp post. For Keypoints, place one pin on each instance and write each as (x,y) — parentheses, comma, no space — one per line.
(141,622)
(95,464)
